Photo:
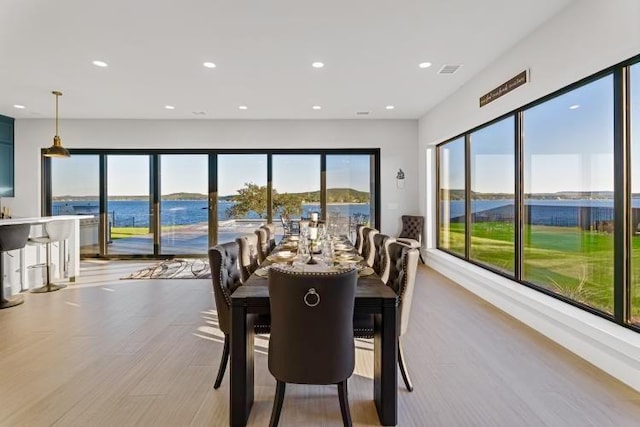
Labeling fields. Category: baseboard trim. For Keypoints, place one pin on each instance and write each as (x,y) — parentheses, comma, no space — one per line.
(610,347)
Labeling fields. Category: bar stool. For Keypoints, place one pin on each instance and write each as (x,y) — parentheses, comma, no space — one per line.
(12,237)
(55,231)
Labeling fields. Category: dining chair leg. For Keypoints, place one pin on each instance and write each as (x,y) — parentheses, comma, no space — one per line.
(278,399)
(223,362)
(403,368)
(343,395)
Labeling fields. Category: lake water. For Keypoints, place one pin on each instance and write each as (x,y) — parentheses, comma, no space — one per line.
(181,212)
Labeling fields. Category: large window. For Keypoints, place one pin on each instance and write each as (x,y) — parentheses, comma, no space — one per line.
(349,190)
(159,203)
(296,186)
(452,196)
(75,190)
(635,189)
(492,195)
(242,194)
(129,205)
(184,219)
(568,187)
(549,194)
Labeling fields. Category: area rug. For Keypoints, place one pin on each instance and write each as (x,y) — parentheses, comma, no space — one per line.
(175,269)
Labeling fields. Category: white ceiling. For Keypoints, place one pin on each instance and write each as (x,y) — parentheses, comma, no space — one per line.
(263,50)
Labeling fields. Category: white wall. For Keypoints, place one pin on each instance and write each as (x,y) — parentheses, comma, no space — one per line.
(586,37)
(397,140)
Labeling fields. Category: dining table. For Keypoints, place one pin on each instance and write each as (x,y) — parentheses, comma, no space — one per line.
(372,297)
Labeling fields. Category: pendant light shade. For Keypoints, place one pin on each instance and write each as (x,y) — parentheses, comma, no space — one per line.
(57,150)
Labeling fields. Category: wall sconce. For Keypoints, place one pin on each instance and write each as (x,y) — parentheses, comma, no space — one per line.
(400,178)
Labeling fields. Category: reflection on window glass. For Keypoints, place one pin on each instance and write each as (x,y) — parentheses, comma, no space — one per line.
(296,186)
(492,198)
(129,205)
(349,189)
(184,213)
(452,196)
(635,189)
(242,194)
(75,190)
(568,185)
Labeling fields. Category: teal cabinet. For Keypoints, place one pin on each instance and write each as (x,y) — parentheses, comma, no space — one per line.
(6,157)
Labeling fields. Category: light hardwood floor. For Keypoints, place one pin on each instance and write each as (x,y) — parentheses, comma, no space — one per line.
(110,352)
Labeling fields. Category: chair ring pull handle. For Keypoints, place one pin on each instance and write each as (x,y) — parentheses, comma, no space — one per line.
(311,293)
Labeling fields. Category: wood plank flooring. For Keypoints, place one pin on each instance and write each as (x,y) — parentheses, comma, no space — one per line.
(111,352)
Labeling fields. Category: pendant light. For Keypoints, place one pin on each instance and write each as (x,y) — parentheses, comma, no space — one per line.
(57,150)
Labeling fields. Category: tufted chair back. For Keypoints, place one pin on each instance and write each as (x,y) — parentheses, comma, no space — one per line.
(403,260)
(311,326)
(247,255)
(359,239)
(367,244)
(380,265)
(223,260)
(272,235)
(263,243)
(412,227)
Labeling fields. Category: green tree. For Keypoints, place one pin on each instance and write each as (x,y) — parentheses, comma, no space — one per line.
(252,197)
(287,204)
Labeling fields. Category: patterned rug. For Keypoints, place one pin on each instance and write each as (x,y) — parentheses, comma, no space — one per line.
(175,269)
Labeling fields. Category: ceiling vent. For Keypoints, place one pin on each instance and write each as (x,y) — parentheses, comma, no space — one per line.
(362,113)
(199,113)
(449,69)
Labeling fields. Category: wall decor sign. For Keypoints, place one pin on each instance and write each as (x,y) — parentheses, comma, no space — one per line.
(504,88)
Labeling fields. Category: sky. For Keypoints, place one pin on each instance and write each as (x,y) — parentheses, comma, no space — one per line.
(129,174)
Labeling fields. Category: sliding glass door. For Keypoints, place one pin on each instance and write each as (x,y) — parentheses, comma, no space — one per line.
(130,211)
(184,208)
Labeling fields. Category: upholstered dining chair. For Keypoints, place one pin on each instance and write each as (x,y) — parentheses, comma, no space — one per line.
(359,238)
(367,244)
(311,332)
(411,233)
(403,266)
(248,257)
(380,264)
(225,276)
(263,243)
(272,235)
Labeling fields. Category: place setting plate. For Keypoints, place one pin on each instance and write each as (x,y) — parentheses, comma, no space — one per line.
(348,257)
(282,256)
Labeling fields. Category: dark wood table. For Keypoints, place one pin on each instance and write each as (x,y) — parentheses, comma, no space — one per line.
(372,297)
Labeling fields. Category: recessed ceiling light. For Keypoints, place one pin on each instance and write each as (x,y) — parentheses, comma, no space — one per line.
(243,107)
(317,64)
(19,107)
(424,64)
(317,107)
(574,107)
(169,107)
(390,107)
(209,64)
(100,64)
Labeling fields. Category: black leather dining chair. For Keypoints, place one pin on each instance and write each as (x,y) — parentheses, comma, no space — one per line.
(411,233)
(403,266)
(225,276)
(311,332)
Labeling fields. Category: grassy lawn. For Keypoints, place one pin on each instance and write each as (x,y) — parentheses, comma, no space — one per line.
(566,260)
(124,232)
